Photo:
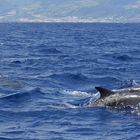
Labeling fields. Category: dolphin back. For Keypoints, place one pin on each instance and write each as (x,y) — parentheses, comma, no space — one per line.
(104,92)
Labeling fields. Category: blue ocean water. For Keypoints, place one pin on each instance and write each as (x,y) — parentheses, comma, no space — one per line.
(48,71)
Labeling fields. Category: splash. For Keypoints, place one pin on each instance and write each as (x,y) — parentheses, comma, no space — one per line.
(136,110)
(86,98)
(77,93)
(128,83)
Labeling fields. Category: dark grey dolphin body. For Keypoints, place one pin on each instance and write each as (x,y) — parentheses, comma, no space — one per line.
(128,97)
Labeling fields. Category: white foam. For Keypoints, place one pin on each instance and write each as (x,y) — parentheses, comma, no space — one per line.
(77,93)
(68,105)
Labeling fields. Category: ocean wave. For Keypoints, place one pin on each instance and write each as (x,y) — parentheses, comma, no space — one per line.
(9,82)
(23,96)
(69,76)
(106,81)
(16,62)
(124,57)
(50,51)
(71,81)
(9,138)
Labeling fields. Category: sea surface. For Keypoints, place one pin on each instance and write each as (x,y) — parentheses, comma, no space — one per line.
(48,72)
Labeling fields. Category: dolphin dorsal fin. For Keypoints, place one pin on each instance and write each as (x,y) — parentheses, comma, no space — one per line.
(104,92)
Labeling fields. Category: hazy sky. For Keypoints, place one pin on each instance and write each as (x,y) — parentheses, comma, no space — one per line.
(70,10)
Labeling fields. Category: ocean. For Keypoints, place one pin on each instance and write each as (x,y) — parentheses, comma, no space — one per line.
(48,72)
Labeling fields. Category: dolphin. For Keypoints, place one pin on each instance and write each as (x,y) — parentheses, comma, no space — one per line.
(122,98)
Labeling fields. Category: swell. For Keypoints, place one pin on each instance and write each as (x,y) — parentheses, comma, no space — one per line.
(23,96)
(69,76)
(70,80)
